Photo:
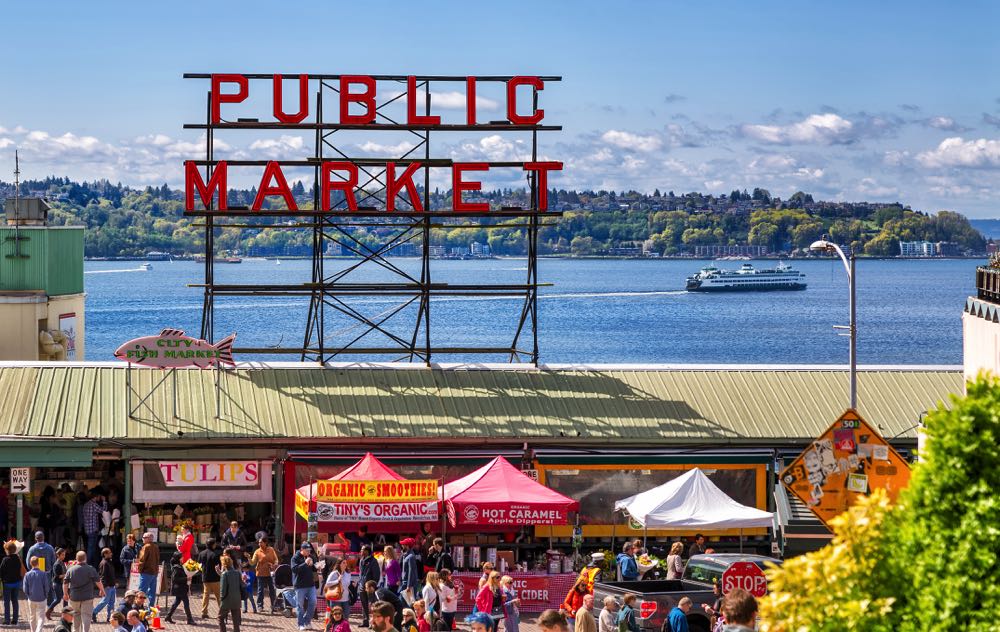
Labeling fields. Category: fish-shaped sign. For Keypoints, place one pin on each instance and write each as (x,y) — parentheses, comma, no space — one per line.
(172,349)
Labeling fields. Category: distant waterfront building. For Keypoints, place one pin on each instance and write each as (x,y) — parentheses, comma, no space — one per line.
(41,285)
(409,249)
(333,249)
(719,250)
(917,249)
(479,250)
(436,251)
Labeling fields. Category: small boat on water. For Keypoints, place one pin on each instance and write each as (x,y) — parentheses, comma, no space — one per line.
(746,279)
(146,266)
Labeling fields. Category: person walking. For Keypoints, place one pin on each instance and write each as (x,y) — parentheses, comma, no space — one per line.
(44,552)
(304,581)
(675,565)
(485,577)
(409,584)
(431,595)
(234,542)
(444,559)
(338,622)
(90,515)
(585,621)
(249,579)
(574,600)
(106,571)
(338,585)
(490,598)
(392,572)
(449,599)
(677,619)
(36,585)
(511,605)
(231,593)
(11,574)
(385,617)
(628,569)
(179,588)
(210,561)
(149,566)
(185,543)
(627,621)
(79,588)
(264,561)
(58,574)
(128,554)
(368,571)
(607,620)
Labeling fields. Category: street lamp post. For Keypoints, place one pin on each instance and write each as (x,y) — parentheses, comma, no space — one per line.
(852,330)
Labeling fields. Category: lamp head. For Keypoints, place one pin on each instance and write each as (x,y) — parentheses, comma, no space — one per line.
(822,246)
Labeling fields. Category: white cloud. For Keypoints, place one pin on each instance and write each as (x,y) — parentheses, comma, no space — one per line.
(816,129)
(942,122)
(494,148)
(385,151)
(5,143)
(456,101)
(628,140)
(278,145)
(958,152)
(869,187)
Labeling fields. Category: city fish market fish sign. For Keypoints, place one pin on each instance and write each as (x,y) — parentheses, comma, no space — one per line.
(171,349)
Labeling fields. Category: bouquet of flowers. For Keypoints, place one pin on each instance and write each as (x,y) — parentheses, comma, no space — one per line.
(192,568)
(646,562)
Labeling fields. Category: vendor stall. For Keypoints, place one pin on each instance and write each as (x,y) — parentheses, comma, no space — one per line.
(692,501)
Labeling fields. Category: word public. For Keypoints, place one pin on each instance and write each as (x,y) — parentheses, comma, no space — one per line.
(358,110)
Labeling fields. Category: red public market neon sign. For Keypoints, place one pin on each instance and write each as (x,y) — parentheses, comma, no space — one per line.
(359,92)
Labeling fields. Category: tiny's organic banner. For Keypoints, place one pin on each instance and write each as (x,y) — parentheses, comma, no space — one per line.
(378,512)
(376,491)
(171,349)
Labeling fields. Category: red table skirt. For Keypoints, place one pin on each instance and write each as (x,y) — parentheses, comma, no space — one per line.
(536,592)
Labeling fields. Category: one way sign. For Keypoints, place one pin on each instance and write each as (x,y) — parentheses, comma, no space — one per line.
(20,480)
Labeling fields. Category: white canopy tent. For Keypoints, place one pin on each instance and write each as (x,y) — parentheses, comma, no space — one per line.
(691,501)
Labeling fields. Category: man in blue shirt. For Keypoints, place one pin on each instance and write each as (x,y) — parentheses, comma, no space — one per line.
(678,616)
(627,566)
(36,585)
(46,557)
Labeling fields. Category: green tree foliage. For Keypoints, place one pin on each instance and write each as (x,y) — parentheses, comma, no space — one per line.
(927,563)
(129,222)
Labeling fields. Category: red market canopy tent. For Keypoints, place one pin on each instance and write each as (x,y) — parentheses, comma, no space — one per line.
(499,494)
(404,516)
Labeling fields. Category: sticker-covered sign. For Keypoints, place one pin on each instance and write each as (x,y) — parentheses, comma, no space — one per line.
(850,459)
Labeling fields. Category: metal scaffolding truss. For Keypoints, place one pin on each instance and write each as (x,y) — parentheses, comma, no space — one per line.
(403,330)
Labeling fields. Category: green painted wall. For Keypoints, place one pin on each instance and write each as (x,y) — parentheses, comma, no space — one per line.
(51,260)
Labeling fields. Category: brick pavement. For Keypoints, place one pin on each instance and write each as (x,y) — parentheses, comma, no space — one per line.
(251,622)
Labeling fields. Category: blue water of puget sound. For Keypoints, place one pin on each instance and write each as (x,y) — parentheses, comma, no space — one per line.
(595,311)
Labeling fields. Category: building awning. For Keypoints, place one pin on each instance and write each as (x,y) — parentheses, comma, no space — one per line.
(31,454)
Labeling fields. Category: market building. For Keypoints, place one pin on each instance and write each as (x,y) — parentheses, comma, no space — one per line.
(238,443)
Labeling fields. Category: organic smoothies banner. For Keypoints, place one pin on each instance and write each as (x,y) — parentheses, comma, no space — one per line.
(376,491)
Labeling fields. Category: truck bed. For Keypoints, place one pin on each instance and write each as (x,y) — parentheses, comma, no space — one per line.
(664,594)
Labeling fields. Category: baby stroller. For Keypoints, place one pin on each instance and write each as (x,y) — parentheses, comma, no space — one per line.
(285,599)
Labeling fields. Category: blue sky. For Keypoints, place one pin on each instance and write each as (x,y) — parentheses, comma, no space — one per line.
(846,100)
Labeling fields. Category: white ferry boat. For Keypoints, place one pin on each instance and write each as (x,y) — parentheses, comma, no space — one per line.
(746,279)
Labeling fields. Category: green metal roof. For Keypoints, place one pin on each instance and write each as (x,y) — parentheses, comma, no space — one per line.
(296,406)
(42,258)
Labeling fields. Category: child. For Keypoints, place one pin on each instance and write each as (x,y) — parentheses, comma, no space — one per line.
(250,581)
(179,589)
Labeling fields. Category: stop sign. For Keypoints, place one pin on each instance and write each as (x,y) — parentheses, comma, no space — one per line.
(745,575)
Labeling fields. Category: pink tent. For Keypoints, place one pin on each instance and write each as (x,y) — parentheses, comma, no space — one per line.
(368,468)
(499,494)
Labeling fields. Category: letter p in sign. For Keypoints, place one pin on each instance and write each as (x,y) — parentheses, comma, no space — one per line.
(745,575)
(20,480)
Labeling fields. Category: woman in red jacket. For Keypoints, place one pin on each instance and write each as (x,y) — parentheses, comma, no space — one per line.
(490,599)
(574,601)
